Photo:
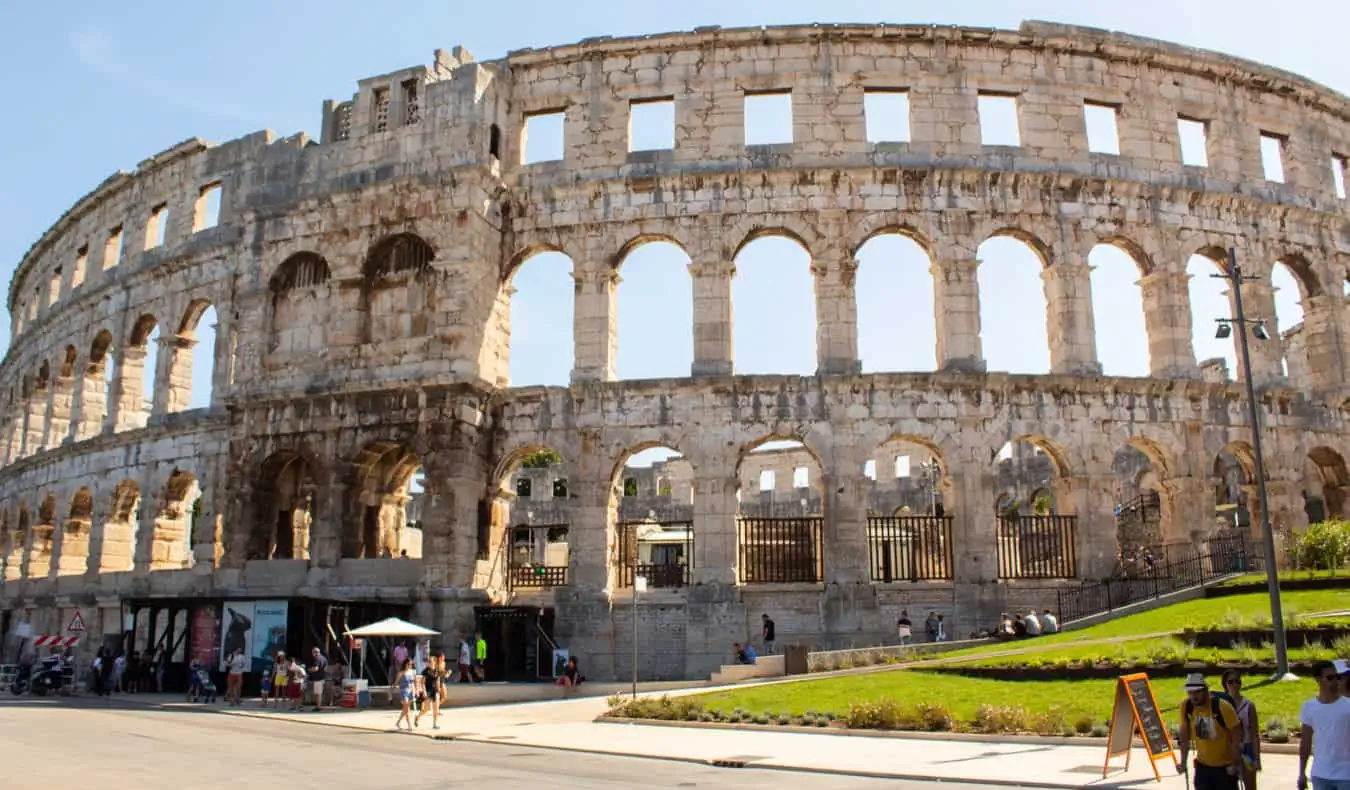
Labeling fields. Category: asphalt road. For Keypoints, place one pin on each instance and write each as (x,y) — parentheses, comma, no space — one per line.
(91,743)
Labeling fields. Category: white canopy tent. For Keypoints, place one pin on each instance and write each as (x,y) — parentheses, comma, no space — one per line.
(389,628)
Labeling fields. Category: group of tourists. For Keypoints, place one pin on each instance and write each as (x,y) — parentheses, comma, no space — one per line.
(1225,732)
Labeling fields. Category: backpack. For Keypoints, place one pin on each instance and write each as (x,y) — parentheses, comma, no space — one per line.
(1214,698)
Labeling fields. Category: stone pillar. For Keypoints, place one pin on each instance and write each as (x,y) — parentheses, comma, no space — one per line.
(956,300)
(1187,517)
(969,500)
(450,532)
(207,531)
(129,410)
(715,534)
(845,530)
(1322,343)
(174,374)
(595,326)
(145,538)
(1258,301)
(58,411)
(836,318)
(72,548)
(91,402)
(714,317)
(325,533)
(589,533)
(35,421)
(1091,500)
(1167,320)
(1068,323)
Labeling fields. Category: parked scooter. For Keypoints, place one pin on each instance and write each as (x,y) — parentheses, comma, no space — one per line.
(40,678)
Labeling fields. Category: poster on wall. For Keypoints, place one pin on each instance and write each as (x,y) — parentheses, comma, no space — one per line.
(269,632)
(236,631)
(206,636)
(560,658)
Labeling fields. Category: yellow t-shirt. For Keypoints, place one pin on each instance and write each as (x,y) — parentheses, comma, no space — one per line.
(1210,739)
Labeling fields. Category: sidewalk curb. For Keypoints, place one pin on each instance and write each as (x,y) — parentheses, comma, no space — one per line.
(913,735)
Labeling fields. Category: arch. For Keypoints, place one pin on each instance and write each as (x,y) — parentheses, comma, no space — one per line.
(1141,524)
(1210,299)
(42,540)
(18,557)
(535,315)
(769,232)
(192,318)
(1333,478)
(1014,331)
(887,227)
(122,529)
(98,349)
(891,262)
(1304,275)
(653,529)
(1142,261)
(377,507)
(773,296)
(1121,333)
(44,376)
(73,551)
(141,330)
(779,530)
(82,505)
(68,360)
(641,240)
(283,508)
(194,358)
(655,310)
(525,254)
(301,271)
(398,253)
(1043,251)
(530,516)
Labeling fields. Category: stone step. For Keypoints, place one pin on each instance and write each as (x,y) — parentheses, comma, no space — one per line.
(764,667)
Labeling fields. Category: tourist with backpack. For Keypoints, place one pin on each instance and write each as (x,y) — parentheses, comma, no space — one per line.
(1212,725)
(1251,726)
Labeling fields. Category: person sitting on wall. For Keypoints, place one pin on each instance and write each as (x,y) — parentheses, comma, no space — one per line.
(745,654)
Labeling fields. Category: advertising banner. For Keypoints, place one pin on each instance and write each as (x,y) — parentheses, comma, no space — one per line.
(236,631)
(206,636)
(269,632)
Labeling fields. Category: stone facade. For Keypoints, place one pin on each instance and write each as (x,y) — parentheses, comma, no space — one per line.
(363,289)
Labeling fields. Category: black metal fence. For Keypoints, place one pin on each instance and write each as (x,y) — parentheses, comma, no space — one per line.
(519,576)
(1222,556)
(1037,547)
(661,552)
(780,550)
(909,548)
(529,563)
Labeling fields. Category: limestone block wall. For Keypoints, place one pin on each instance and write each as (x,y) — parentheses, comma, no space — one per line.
(362,284)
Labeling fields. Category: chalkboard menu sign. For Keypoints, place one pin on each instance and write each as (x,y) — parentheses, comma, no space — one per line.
(1136,709)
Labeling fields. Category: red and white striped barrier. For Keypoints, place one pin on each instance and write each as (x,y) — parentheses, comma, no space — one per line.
(55,641)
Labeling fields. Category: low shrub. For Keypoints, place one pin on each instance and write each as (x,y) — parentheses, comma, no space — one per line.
(661,709)
(1099,730)
(1322,546)
(935,717)
(1083,725)
(995,719)
(1049,722)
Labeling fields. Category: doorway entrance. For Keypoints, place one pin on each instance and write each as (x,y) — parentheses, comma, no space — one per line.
(519,642)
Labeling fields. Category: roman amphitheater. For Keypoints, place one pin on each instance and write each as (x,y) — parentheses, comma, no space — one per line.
(362,287)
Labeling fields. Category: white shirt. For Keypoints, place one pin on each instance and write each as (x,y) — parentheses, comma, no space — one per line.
(1050,626)
(1330,723)
(1033,625)
(465,657)
(239,664)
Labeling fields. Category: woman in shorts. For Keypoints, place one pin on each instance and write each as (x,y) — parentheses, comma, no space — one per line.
(406,682)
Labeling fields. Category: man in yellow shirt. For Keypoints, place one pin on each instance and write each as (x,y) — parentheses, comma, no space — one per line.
(1212,724)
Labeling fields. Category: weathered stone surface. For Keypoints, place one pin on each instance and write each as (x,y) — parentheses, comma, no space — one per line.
(362,284)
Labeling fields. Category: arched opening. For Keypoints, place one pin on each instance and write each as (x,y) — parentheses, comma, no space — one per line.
(895,335)
(1210,300)
(539,300)
(1292,282)
(63,394)
(284,500)
(11,542)
(1013,311)
(655,312)
(654,488)
(1034,539)
(122,530)
(43,540)
(96,387)
(1234,489)
(379,499)
(73,552)
(1140,537)
(194,358)
(531,519)
(398,295)
(38,413)
(300,293)
(140,363)
(171,534)
(1325,479)
(914,543)
(18,545)
(1118,311)
(774,307)
(779,519)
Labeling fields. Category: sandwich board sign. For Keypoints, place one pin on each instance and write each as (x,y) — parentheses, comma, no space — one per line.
(1136,709)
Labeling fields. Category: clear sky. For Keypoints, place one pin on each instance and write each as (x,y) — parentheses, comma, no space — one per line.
(98,88)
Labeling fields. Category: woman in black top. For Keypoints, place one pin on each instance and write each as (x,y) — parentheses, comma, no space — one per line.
(432,676)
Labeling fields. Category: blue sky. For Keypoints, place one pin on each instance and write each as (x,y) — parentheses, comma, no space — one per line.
(96,89)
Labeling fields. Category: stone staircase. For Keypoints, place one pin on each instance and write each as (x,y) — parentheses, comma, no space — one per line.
(764,667)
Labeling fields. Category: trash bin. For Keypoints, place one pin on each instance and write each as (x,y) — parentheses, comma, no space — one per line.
(795,660)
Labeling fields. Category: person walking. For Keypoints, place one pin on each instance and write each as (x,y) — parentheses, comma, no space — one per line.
(318,673)
(769,634)
(1212,725)
(432,677)
(1325,731)
(407,683)
(1251,727)
(479,658)
(234,681)
(465,660)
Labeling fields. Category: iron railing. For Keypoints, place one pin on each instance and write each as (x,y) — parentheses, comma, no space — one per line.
(909,548)
(537,576)
(780,550)
(669,571)
(528,570)
(1037,547)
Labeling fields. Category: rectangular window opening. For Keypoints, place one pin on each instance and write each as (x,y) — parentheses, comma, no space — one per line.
(1338,166)
(651,124)
(998,120)
(766,480)
(112,250)
(381,97)
(870,470)
(412,109)
(206,212)
(902,466)
(155,228)
(768,118)
(886,114)
(81,261)
(33,305)
(495,142)
(1193,134)
(1103,134)
(1272,157)
(54,288)
(542,137)
(801,477)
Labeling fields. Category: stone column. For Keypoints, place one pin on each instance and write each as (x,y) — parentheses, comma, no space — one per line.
(58,411)
(714,317)
(836,318)
(450,532)
(1091,500)
(35,422)
(956,301)
(845,530)
(1187,505)
(1258,301)
(129,410)
(208,530)
(588,536)
(1068,323)
(1167,320)
(715,536)
(974,522)
(1322,342)
(330,521)
(97,531)
(146,536)
(174,374)
(91,402)
(40,550)
(595,326)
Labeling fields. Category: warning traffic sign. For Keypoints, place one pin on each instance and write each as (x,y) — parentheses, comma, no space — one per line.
(76,623)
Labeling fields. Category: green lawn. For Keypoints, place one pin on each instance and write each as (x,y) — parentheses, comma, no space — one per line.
(964,696)
(1165,650)
(1285,576)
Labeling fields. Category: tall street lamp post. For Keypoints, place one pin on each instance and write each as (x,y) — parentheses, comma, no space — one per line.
(1233,274)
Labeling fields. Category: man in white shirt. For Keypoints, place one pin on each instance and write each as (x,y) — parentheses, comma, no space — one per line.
(1325,727)
(1033,625)
(1049,625)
